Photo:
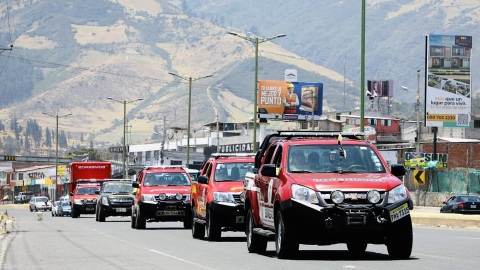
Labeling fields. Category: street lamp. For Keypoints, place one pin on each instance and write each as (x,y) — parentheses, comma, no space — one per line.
(190,80)
(256,41)
(124,102)
(56,155)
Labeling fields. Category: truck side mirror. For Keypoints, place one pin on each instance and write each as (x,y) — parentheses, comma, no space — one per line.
(202,179)
(135,185)
(97,192)
(398,170)
(71,193)
(269,170)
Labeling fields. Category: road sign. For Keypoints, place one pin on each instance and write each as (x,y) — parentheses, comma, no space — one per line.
(419,177)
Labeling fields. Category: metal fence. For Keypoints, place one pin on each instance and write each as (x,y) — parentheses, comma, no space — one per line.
(457,180)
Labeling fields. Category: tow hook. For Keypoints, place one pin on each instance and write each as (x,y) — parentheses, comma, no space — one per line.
(380,219)
(328,222)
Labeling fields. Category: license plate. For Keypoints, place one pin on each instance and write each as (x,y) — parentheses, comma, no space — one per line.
(473,206)
(90,209)
(170,213)
(399,212)
(121,209)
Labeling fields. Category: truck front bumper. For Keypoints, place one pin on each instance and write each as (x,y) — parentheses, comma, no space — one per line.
(166,210)
(231,215)
(117,209)
(314,224)
(84,208)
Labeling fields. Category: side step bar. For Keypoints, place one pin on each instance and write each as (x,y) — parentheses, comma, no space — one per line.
(201,221)
(266,233)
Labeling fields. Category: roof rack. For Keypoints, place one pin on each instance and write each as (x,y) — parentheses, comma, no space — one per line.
(91,182)
(127,179)
(225,155)
(164,167)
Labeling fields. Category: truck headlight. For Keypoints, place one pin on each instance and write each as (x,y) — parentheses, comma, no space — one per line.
(337,197)
(223,197)
(178,196)
(373,196)
(78,201)
(397,194)
(148,198)
(304,194)
(105,201)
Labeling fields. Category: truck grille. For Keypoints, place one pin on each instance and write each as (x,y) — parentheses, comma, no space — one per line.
(170,198)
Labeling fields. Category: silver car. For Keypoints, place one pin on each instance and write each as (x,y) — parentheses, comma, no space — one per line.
(64,209)
(40,204)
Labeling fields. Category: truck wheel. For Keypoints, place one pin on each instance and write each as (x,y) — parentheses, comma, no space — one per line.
(31,210)
(214,231)
(141,221)
(400,239)
(132,223)
(198,230)
(101,216)
(74,213)
(187,222)
(96,214)
(36,210)
(357,249)
(285,243)
(255,243)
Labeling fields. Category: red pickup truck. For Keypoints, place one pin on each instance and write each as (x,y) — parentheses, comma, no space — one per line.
(217,196)
(317,188)
(161,194)
(84,198)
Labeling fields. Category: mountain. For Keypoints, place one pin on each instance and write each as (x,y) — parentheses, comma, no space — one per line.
(70,55)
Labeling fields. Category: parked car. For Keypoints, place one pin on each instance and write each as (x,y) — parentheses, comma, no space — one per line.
(64,208)
(23,197)
(55,207)
(462,204)
(40,203)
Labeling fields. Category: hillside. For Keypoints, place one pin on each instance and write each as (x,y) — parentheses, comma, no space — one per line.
(70,55)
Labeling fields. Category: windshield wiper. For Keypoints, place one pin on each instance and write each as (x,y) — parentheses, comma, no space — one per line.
(342,171)
(304,171)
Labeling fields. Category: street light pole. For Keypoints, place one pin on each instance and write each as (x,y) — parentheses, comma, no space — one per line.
(362,72)
(56,151)
(256,41)
(190,80)
(124,102)
(418,111)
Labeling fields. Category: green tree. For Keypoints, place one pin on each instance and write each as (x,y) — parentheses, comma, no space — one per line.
(81,137)
(48,138)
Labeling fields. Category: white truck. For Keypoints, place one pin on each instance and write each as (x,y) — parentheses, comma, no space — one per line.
(23,197)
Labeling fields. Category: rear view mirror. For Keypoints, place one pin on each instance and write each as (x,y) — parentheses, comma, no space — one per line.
(269,170)
(135,185)
(398,170)
(97,192)
(71,193)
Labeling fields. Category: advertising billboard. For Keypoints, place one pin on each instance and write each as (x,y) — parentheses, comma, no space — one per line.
(448,94)
(290,98)
(381,88)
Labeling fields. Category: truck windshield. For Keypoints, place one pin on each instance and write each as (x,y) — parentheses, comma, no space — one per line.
(118,188)
(87,190)
(326,158)
(232,171)
(166,179)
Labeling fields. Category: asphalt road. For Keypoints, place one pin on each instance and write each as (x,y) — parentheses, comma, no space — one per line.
(66,243)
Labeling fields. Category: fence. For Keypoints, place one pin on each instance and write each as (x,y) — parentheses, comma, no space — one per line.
(457,181)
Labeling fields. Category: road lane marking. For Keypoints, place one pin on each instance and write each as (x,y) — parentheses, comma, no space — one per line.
(472,238)
(179,259)
(433,256)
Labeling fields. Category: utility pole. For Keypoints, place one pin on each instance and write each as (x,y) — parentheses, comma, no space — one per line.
(218,133)
(418,111)
(163,141)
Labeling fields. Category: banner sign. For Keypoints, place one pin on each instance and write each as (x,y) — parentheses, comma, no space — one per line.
(370,132)
(448,94)
(413,159)
(237,148)
(280,97)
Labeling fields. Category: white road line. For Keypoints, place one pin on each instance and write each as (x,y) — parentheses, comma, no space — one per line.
(179,259)
(473,238)
(425,255)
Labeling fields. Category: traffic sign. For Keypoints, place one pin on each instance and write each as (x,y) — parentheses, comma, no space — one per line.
(419,177)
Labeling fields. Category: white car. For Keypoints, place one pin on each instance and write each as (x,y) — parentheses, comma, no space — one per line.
(55,209)
(40,203)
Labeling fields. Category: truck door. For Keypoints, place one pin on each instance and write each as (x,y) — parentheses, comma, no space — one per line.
(202,191)
(265,185)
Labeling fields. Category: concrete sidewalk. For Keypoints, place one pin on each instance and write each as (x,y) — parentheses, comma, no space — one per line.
(421,216)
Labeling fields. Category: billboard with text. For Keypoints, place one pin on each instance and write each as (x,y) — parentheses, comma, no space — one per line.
(280,97)
(448,94)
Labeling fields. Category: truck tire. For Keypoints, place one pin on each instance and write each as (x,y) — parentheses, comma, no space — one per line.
(187,222)
(198,230)
(286,244)
(132,223)
(96,213)
(101,216)
(140,221)
(74,213)
(400,239)
(214,230)
(31,210)
(255,243)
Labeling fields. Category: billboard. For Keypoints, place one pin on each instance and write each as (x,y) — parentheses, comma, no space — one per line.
(298,98)
(448,93)
(381,88)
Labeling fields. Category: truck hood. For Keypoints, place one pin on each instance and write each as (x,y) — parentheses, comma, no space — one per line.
(234,187)
(329,181)
(166,190)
